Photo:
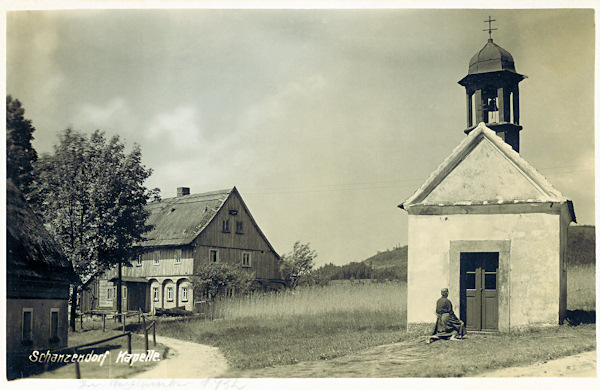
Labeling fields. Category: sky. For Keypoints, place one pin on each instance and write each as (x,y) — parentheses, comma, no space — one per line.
(324,119)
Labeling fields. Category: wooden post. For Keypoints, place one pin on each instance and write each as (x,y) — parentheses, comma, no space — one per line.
(154,332)
(103,322)
(129,343)
(123,318)
(145,333)
(77,369)
(81,321)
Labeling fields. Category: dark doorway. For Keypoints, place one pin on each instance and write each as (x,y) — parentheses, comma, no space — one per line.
(478,293)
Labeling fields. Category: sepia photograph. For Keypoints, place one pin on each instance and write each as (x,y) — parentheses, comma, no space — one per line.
(231,194)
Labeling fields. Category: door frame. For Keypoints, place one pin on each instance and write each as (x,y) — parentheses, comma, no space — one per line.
(480,293)
(502,278)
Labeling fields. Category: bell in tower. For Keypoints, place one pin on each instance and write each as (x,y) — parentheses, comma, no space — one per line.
(492,87)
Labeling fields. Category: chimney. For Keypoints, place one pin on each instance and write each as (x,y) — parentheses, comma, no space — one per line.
(182,191)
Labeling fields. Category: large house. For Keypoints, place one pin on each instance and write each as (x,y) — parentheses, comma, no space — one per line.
(188,231)
(37,286)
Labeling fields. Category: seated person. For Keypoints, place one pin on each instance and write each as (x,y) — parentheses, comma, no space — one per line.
(447,324)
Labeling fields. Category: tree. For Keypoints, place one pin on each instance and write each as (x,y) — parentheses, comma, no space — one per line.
(212,278)
(20,154)
(93,199)
(298,264)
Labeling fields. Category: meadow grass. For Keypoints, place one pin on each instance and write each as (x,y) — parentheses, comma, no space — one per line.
(335,298)
(302,325)
(581,287)
(314,325)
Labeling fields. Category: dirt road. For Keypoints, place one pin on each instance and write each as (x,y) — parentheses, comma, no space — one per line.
(580,365)
(190,360)
(186,360)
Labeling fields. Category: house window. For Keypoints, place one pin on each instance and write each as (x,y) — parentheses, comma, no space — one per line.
(124,292)
(156,257)
(225,226)
(230,292)
(155,294)
(239,227)
(246,259)
(109,293)
(169,293)
(139,261)
(114,292)
(27,325)
(177,256)
(213,255)
(54,325)
(184,294)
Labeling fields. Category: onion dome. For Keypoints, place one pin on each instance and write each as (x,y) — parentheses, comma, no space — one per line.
(492,58)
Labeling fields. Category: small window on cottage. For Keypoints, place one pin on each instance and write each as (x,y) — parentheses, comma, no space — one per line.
(155,294)
(124,292)
(139,261)
(27,325)
(230,292)
(169,293)
(156,257)
(239,227)
(184,294)
(54,325)
(213,256)
(225,226)
(109,293)
(246,259)
(177,256)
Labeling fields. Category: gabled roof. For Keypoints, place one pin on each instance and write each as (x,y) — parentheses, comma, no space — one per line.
(179,220)
(483,169)
(31,252)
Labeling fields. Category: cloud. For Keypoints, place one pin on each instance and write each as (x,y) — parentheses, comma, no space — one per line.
(102,116)
(180,128)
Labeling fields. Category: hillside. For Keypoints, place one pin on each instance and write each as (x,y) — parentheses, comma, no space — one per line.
(392,264)
(581,246)
(581,249)
(389,258)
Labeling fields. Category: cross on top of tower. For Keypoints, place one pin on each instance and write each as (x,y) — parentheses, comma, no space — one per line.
(489,29)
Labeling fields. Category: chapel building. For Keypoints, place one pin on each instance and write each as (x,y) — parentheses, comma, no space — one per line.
(486,224)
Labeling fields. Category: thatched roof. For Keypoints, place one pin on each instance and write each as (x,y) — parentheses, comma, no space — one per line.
(178,221)
(31,252)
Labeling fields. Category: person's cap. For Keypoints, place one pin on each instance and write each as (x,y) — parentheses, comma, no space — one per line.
(444,290)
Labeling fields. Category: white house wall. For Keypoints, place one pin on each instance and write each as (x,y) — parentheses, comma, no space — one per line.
(532,272)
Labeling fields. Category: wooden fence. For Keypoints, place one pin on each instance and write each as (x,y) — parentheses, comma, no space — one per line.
(78,347)
(124,317)
(146,328)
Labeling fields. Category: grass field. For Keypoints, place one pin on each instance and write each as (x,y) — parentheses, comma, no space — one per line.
(305,324)
(581,287)
(312,326)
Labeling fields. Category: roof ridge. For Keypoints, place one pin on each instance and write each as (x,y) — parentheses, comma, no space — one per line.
(193,196)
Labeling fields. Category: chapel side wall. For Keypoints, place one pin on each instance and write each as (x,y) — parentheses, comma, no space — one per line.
(564,233)
(533,273)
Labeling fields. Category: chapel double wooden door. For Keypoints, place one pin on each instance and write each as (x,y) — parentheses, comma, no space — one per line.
(478,290)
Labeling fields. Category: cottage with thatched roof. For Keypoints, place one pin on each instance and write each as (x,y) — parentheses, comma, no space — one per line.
(188,230)
(38,280)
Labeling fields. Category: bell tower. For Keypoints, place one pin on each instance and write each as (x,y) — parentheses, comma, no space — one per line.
(492,87)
